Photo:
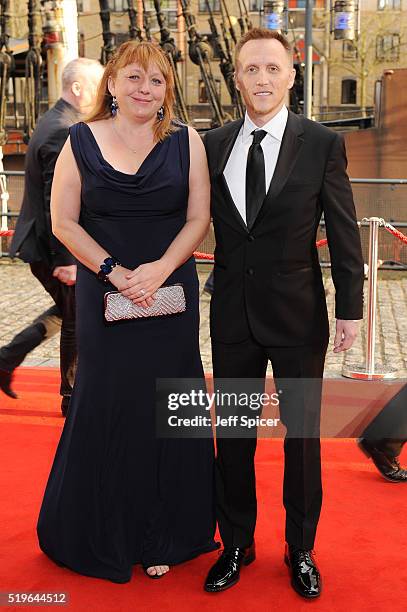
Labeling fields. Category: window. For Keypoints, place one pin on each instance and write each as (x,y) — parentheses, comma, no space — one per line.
(296,14)
(83,6)
(255,5)
(388,47)
(301,4)
(171,18)
(394,5)
(165,5)
(214,4)
(117,6)
(349,51)
(169,9)
(349,91)
(202,94)
(81,44)
(296,20)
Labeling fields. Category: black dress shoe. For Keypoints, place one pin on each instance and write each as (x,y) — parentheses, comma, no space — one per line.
(6,379)
(388,466)
(226,571)
(305,577)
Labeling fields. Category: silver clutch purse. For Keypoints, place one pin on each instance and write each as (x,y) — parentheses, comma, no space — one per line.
(169,300)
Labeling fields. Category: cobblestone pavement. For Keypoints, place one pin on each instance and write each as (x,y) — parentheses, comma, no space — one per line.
(22,298)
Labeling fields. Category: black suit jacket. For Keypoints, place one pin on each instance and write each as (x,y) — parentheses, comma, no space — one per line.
(33,239)
(268,280)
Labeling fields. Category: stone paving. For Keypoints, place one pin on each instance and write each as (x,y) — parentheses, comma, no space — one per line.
(22,298)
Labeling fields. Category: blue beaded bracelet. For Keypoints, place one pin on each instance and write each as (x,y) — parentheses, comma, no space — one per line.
(106,267)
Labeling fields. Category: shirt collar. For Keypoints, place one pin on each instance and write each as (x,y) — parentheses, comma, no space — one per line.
(275,127)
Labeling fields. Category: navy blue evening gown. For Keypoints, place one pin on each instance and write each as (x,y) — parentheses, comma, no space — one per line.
(117,495)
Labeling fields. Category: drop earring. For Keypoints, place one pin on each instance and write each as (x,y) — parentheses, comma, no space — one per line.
(114,106)
(160,113)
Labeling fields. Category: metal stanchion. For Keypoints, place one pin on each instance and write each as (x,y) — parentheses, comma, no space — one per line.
(4,200)
(369,371)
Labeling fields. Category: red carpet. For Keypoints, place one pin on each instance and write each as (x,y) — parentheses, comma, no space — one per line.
(361,546)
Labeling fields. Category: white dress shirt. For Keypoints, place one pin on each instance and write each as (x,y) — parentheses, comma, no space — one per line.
(235,169)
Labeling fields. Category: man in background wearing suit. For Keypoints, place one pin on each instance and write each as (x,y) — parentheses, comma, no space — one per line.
(384,438)
(273,174)
(33,241)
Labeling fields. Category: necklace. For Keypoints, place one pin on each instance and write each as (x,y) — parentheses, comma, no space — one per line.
(122,139)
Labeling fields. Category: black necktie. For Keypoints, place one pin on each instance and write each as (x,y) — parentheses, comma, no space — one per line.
(255,178)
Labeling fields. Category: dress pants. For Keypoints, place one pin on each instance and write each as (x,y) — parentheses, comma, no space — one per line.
(64,298)
(388,430)
(300,406)
(42,328)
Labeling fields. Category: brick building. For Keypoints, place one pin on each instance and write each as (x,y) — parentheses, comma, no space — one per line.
(344,73)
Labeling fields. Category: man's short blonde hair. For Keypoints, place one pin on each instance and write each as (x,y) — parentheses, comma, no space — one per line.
(264,34)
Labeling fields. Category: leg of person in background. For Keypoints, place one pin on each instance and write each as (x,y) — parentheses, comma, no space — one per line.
(68,353)
(13,354)
(208,287)
(384,438)
(64,297)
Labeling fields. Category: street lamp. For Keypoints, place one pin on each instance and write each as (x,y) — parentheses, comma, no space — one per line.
(345,18)
(274,15)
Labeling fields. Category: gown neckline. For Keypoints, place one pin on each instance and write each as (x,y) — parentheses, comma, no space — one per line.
(99,152)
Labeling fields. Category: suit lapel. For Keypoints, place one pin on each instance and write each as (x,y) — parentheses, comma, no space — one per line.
(231,203)
(289,150)
(225,146)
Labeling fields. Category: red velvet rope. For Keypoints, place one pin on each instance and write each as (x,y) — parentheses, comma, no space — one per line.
(395,232)
(209,256)
(199,255)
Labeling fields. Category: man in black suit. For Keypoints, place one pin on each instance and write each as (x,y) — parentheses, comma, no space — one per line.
(33,240)
(273,175)
(384,438)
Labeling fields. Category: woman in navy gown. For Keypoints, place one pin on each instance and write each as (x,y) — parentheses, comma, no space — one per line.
(130,184)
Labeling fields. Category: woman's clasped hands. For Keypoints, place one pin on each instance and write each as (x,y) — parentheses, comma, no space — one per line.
(140,285)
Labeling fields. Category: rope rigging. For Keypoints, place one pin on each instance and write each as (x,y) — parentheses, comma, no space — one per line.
(168,44)
(109,46)
(33,69)
(7,67)
(200,53)
(134,30)
(225,63)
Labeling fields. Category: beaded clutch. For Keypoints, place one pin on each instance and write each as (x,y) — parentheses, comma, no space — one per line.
(169,300)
